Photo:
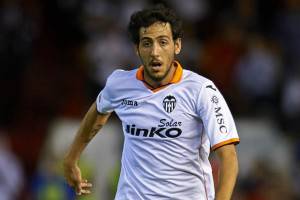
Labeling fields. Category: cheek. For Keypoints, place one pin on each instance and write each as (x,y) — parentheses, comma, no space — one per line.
(170,51)
(142,54)
(170,54)
(144,57)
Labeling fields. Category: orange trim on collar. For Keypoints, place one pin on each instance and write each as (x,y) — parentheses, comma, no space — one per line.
(176,78)
(140,73)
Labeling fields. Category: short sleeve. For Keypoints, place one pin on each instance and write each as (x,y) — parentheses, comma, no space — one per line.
(104,99)
(216,117)
(103,102)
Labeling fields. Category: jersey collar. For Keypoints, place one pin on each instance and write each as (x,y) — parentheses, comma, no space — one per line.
(176,78)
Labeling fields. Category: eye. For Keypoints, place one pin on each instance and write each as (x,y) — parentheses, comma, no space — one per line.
(146,44)
(163,42)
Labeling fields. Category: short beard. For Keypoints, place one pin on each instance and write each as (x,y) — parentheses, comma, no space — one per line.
(158,79)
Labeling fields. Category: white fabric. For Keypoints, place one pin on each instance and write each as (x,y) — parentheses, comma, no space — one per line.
(165,154)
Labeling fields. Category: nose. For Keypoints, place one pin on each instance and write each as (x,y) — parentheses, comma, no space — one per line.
(155,49)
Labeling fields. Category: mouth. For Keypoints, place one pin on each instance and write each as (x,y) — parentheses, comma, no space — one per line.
(155,64)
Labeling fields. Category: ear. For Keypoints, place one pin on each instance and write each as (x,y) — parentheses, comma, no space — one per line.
(136,49)
(177,46)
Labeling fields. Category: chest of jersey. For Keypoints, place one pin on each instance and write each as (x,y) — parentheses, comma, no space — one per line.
(166,114)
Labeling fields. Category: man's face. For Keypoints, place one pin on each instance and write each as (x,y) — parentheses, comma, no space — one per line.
(156,50)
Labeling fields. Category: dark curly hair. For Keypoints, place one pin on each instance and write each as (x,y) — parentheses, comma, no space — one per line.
(147,17)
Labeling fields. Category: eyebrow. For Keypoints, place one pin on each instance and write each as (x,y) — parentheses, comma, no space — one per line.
(159,37)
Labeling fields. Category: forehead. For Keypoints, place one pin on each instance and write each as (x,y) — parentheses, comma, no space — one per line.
(156,30)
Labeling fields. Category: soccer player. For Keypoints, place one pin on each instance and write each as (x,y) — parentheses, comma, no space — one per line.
(172,118)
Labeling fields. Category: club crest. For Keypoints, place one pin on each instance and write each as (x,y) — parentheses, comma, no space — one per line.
(169,103)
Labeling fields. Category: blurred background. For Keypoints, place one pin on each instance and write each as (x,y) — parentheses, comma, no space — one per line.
(55,56)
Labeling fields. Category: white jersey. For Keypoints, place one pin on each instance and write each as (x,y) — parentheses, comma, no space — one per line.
(169,133)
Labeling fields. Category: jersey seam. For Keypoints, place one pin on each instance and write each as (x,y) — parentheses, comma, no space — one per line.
(203,174)
(198,97)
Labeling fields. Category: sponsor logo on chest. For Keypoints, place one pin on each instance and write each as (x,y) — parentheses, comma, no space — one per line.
(165,129)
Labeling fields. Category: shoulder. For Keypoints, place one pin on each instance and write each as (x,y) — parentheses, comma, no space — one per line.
(195,80)
(120,81)
(120,75)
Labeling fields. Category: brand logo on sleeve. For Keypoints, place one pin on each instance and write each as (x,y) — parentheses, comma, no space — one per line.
(220,120)
(169,103)
(211,87)
(127,102)
(219,115)
(215,100)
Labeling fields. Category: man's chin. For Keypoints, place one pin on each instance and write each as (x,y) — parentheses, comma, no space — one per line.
(157,77)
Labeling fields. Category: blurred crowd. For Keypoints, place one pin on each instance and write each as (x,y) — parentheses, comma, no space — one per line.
(55,57)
